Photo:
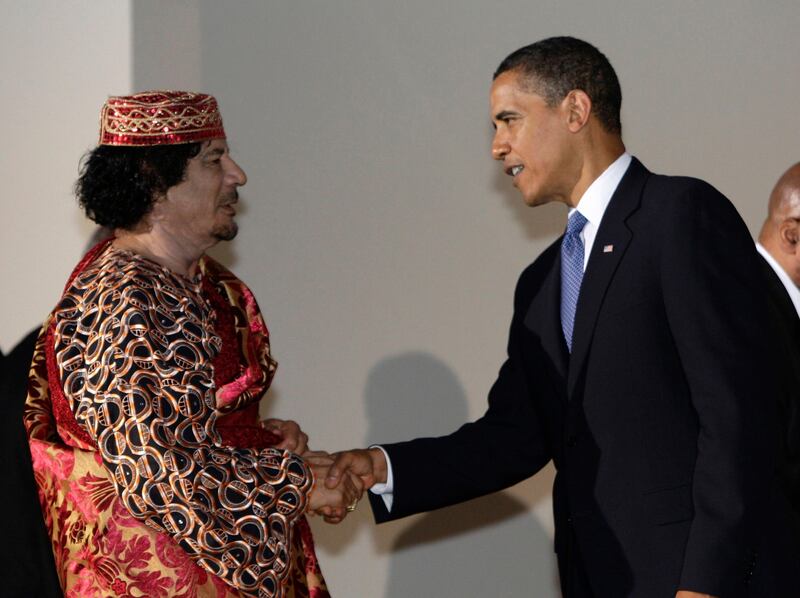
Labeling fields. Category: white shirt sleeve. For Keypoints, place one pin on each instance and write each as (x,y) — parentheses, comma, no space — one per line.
(386,490)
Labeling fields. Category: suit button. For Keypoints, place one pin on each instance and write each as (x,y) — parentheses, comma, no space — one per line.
(571,440)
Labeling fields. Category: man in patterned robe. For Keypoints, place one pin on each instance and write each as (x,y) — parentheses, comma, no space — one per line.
(155,476)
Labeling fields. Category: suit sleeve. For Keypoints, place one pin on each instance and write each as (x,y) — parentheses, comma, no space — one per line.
(506,445)
(713,301)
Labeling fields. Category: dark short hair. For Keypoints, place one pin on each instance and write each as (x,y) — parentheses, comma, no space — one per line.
(555,66)
(117,185)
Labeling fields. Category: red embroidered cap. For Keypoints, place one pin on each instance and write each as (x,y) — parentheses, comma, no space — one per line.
(160,118)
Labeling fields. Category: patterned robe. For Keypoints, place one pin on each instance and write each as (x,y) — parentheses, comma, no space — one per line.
(154,475)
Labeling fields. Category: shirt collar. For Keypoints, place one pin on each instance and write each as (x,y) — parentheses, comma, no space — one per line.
(595,199)
(791,288)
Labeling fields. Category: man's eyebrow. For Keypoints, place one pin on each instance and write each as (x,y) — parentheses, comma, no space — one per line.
(504,114)
(217,151)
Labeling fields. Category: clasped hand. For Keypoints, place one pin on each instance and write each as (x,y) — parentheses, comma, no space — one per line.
(335,502)
(331,500)
(341,478)
(340,475)
(343,473)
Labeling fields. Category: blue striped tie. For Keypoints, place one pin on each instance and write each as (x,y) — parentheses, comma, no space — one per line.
(571,273)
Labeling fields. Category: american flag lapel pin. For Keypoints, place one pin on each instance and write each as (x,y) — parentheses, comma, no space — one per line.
(608,248)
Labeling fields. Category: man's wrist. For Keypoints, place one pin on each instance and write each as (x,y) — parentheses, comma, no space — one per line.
(379,467)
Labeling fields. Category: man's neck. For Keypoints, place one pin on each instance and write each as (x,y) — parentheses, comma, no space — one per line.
(596,160)
(160,249)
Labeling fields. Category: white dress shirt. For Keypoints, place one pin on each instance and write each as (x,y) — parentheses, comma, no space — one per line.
(594,201)
(791,288)
(592,205)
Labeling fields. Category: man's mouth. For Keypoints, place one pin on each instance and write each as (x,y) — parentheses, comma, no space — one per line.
(515,170)
(229,202)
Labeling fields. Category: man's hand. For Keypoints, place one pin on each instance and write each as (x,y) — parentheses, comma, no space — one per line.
(331,503)
(688,594)
(294,439)
(367,464)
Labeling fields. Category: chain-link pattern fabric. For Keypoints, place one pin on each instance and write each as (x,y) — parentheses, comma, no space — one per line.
(133,346)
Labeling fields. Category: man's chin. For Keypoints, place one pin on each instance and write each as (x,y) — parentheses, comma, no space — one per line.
(537,199)
(226,233)
(531,197)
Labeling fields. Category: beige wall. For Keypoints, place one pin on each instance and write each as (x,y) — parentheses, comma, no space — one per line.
(380,239)
(384,244)
(59,60)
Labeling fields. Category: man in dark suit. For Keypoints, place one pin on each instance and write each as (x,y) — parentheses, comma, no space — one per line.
(636,362)
(26,555)
(779,246)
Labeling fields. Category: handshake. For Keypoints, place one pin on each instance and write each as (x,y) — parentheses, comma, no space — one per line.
(340,478)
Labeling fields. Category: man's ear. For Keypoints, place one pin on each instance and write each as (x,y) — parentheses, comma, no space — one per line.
(578,107)
(157,208)
(789,235)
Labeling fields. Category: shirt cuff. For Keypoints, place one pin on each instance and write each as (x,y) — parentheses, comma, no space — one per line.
(385,490)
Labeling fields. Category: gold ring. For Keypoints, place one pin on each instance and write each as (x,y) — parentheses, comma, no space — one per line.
(352,507)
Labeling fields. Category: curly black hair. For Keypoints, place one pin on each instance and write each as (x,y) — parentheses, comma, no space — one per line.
(117,186)
(557,65)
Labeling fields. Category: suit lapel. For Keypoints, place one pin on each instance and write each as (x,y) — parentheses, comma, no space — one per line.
(609,246)
(543,317)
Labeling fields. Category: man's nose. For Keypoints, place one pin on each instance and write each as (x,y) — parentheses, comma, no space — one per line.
(236,174)
(500,147)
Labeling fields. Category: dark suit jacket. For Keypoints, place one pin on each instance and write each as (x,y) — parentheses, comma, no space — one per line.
(786,339)
(26,557)
(660,423)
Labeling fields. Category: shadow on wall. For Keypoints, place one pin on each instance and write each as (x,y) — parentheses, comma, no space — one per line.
(491,546)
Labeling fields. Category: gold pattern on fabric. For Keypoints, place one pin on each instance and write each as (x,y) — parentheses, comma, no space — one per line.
(158,506)
(160,117)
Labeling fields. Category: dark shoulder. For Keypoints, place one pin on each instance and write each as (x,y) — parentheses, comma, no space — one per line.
(677,205)
(685,214)
(683,193)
